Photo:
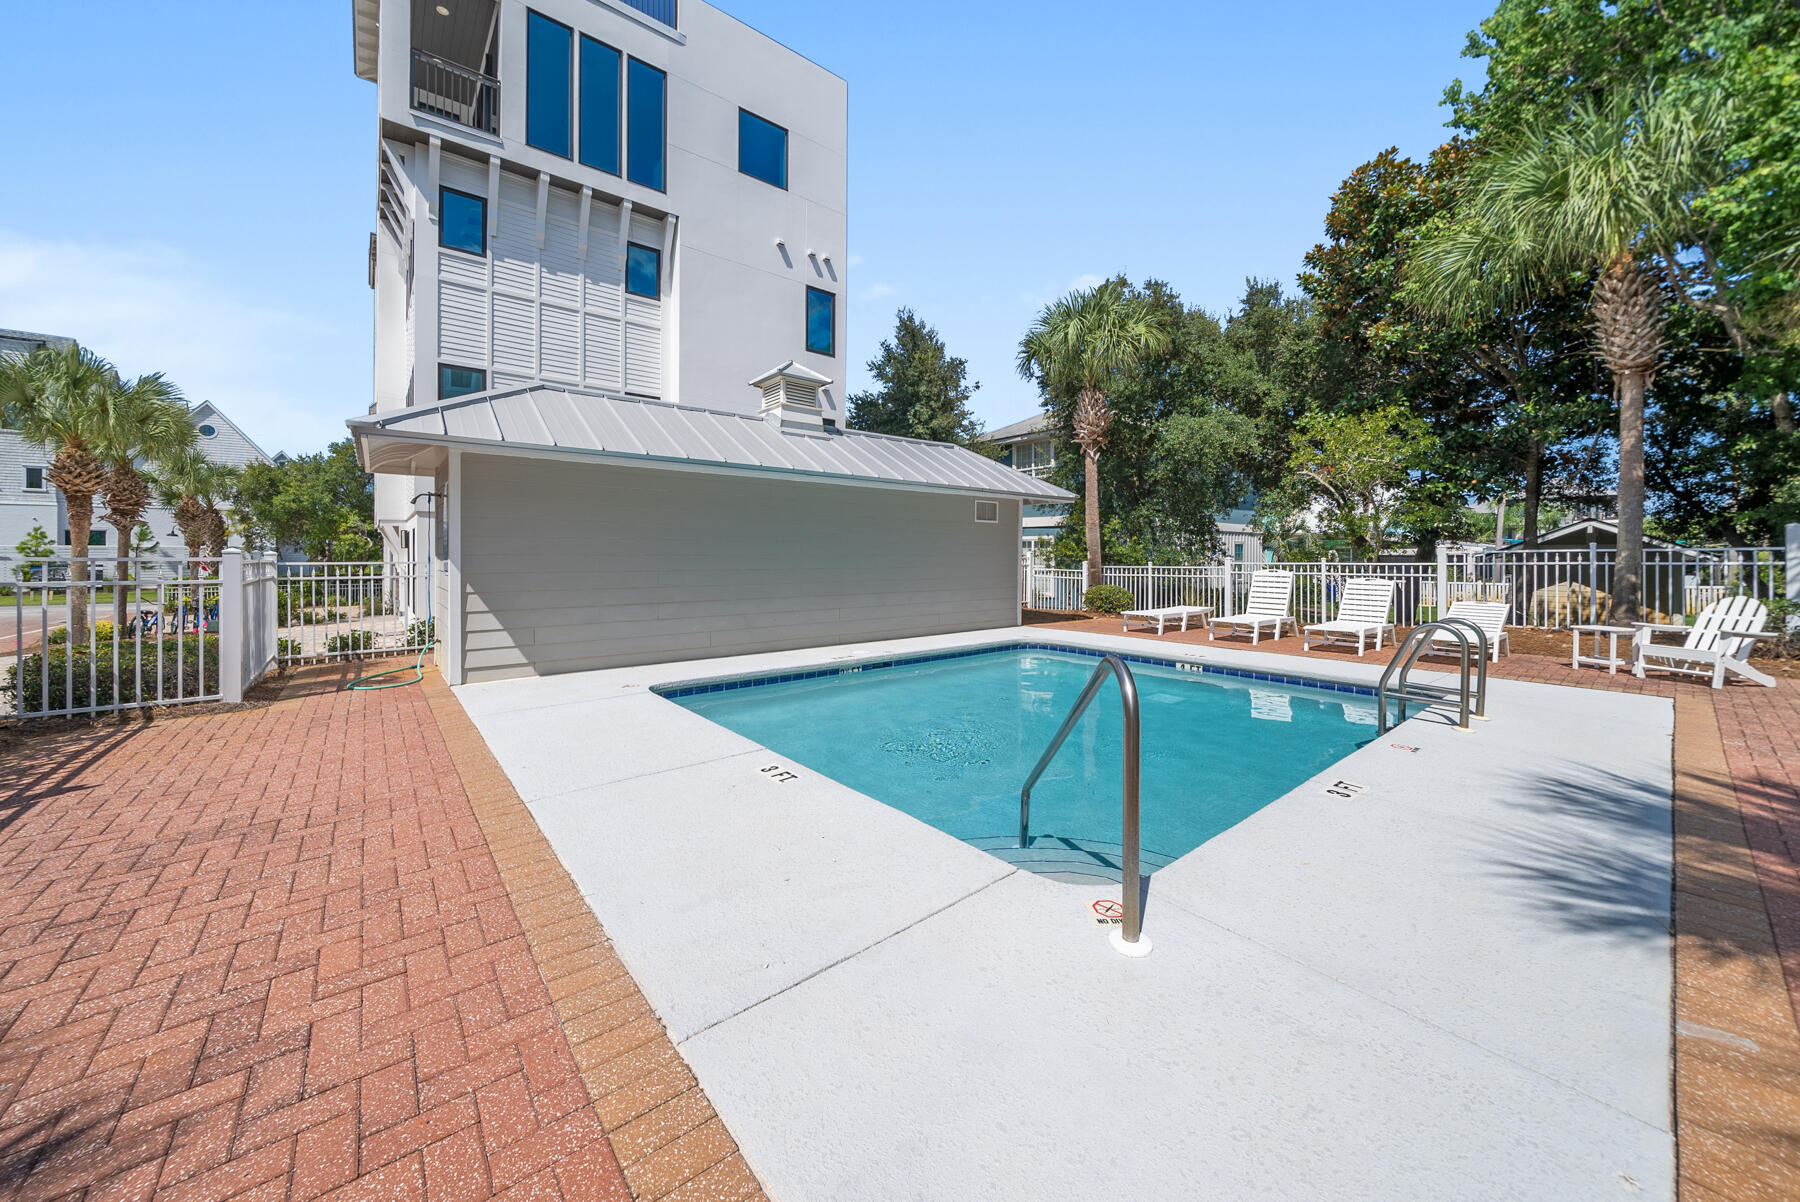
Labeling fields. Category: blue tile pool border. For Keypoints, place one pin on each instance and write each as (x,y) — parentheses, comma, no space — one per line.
(676,691)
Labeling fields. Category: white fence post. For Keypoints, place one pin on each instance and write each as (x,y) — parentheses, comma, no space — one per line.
(1443,582)
(1791,571)
(231,625)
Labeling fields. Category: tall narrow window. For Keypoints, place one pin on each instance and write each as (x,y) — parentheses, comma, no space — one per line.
(762,149)
(821,322)
(643,270)
(647,95)
(599,105)
(547,91)
(462,221)
(456,381)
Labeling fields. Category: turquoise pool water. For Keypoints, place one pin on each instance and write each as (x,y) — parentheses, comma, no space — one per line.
(950,741)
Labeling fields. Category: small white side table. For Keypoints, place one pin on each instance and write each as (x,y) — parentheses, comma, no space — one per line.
(1610,661)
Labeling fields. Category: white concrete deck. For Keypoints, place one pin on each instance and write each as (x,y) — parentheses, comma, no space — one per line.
(1455,985)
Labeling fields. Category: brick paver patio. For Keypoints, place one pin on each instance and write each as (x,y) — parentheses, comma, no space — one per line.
(320,949)
(269,954)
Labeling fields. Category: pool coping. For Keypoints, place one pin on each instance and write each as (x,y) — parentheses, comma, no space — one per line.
(704,1045)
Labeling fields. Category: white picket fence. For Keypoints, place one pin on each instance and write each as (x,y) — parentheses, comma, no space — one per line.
(1545,589)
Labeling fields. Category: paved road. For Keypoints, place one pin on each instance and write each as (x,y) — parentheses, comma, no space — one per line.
(30,625)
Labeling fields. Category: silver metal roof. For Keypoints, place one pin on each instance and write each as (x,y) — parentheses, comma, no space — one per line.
(563,422)
(1036,424)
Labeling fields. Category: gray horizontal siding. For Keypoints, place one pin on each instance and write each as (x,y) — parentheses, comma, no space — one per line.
(569,567)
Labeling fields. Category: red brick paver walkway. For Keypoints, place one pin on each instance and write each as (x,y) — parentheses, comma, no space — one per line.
(269,955)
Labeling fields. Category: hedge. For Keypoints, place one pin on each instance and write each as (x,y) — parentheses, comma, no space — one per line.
(26,690)
(1107,599)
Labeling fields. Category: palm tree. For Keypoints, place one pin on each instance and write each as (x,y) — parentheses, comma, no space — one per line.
(194,487)
(1602,192)
(1079,345)
(55,397)
(145,420)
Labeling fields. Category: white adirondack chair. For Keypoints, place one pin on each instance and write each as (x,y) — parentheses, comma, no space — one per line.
(1718,642)
(1271,595)
(1490,616)
(1362,613)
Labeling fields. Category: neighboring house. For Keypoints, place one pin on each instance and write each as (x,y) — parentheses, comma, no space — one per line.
(1581,534)
(1031,449)
(27,499)
(602,224)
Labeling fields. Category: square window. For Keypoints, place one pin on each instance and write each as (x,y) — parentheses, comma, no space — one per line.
(34,479)
(459,381)
(643,271)
(547,83)
(762,149)
(462,221)
(647,97)
(821,322)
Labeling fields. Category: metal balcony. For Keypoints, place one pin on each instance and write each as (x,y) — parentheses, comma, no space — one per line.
(656,10)
(455,93)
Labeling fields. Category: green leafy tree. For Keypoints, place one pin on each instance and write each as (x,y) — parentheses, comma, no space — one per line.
(1501,391)
(924,391)
(1078,347)
(56,397)
(1739,261)
(1350,478)
(307,501)
(1599,189)
(35,545)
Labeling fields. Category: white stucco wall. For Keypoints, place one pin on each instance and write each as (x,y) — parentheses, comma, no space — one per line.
(571,566)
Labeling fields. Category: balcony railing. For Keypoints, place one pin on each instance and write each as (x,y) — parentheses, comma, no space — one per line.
(656,10)
(454,92)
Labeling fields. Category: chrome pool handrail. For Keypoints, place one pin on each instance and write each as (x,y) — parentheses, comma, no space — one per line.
(1395,685)
(1132,885)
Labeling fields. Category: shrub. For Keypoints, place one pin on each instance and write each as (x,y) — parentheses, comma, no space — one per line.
(1107,599)
(422,633)
(285,647)
(103,633)
(355,641)
(376,605)
(70,689)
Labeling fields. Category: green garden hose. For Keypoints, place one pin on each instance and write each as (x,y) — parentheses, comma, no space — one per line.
(361,683)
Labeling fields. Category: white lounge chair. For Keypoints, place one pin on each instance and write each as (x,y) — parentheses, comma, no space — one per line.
(1718,642)
(1271,593)
(1489,615)
(1363,613)
(1167,614)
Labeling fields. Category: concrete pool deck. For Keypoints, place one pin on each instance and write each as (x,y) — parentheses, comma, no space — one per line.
(1457,981)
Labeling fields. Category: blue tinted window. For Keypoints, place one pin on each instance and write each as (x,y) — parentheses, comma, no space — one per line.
(762,149)
(459,381)
(462,221)
(599,105)
(643,270)
(547,84)
(821,322)
(644,125)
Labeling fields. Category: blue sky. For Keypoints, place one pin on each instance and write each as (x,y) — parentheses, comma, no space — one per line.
(194,193)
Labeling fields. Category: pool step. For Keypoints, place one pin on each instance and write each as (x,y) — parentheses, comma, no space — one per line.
(1063,857)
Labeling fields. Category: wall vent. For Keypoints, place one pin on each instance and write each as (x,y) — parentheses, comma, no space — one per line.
(987,511)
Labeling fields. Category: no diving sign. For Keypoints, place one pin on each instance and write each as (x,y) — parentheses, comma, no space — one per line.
(1108,912)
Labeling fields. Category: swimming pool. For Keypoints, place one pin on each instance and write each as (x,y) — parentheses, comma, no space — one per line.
(949,739)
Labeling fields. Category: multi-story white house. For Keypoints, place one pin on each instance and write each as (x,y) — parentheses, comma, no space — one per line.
(615,195)
(28,500)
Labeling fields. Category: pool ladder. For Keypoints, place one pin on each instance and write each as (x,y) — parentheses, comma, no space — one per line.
(1396,685)
(1129,937)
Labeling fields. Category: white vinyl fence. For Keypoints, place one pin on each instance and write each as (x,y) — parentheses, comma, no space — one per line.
(348,610)
(1545,589)
(174,632)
